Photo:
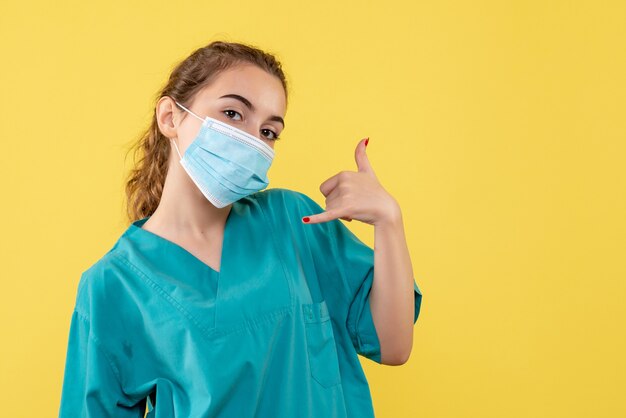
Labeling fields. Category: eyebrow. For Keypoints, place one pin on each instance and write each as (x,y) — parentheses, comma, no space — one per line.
(251,106)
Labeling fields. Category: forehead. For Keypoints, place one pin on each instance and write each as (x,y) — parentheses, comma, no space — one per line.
(263,89)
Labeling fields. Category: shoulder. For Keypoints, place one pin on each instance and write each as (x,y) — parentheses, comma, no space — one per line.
(287,198)
(285,209)
(99,286)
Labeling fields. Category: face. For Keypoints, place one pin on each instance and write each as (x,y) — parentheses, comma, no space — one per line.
(245,96)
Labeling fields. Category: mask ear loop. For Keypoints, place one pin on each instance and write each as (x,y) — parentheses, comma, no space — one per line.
(176,146)
(189,111)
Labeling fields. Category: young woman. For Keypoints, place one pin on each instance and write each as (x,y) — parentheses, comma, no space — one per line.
(220,299)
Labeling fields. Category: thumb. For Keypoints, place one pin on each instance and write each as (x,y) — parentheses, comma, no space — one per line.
(360,156)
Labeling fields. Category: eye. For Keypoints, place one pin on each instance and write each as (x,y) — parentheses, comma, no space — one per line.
(274,137)
(227,114)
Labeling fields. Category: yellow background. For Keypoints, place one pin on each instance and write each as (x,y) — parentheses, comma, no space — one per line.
(498,126)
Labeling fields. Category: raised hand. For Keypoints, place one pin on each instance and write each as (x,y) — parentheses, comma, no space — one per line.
(356,194)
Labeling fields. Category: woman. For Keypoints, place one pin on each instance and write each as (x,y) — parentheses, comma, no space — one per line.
(219,300)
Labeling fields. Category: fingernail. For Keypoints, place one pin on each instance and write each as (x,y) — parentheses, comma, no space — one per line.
(306,219)
(367,140)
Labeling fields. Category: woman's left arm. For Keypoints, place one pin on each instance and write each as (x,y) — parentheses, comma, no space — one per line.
(392,299)
(359,195)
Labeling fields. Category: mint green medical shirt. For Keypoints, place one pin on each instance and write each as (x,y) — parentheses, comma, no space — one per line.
(275,333)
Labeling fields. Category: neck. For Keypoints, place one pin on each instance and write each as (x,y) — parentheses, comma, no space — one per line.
(183,209)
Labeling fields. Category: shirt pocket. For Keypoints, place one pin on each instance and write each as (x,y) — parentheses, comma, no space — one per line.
(320,342)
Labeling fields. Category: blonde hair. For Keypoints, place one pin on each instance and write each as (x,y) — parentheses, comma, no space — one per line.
(144,184)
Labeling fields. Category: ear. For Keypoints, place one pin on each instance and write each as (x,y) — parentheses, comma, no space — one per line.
(166,117)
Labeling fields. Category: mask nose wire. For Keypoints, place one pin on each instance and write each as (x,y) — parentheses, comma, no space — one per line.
(176,146)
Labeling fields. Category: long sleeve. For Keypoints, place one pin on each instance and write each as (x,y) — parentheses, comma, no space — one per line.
(91,385)
(355,266)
